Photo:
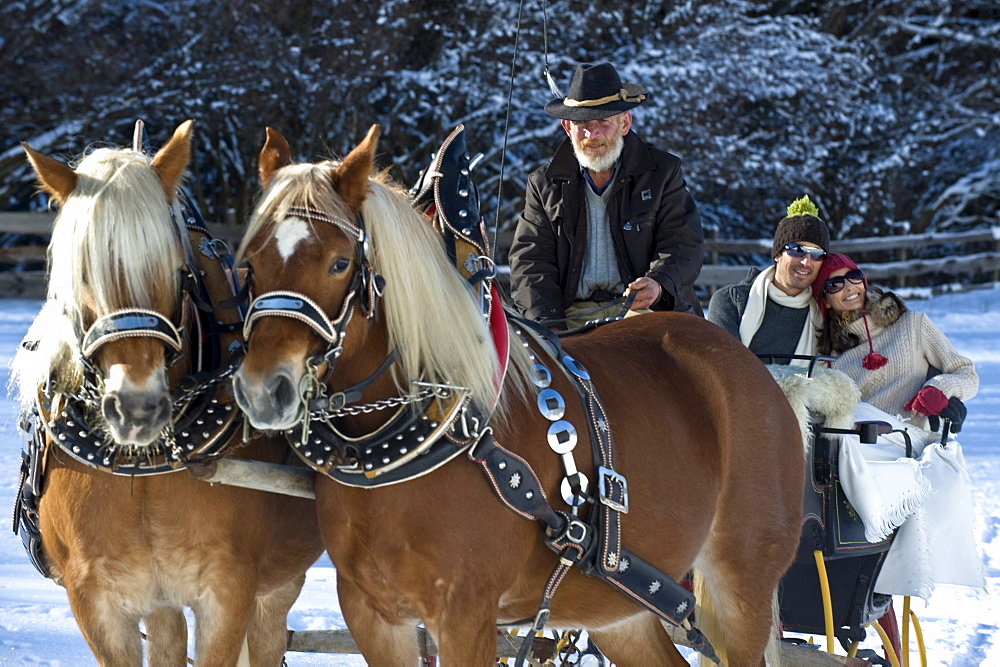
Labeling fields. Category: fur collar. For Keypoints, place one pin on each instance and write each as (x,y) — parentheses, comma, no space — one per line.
(882,308)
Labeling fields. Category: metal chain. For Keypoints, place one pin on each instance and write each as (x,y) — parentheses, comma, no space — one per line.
(366,408)
(427,390)
(189,394)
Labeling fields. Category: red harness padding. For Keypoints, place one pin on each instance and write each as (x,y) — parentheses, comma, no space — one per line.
(501,338)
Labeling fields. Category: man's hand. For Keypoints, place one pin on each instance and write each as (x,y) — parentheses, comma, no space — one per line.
(647,292)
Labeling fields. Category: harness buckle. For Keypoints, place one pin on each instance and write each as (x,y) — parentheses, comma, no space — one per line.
(541,619)
(613,489)
(576,531)
(333,354)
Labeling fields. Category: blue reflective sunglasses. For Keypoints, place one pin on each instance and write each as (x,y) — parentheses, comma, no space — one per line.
(798,251)
(834,285)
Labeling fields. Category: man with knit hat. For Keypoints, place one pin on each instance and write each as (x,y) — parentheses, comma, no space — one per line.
(773,311)
(609,216)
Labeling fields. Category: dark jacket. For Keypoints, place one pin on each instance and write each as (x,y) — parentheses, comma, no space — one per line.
(654,222)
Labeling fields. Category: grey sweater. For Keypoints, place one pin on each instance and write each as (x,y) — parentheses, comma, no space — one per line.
(779,331)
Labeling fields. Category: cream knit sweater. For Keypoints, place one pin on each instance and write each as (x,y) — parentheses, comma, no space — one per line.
(912,344)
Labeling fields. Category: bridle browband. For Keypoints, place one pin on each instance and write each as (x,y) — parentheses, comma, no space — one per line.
(136,323)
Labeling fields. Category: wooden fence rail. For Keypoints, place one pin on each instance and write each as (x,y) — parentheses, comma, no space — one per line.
(896,272)
(340,642)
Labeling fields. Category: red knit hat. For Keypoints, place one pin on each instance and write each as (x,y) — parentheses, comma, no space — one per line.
(833,262)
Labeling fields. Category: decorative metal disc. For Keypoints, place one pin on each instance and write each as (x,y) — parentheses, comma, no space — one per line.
(562,437)
(542,377)
(574,498)
(551,404)
(576,369)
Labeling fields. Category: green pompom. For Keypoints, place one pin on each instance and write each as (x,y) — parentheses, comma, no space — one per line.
(803,206)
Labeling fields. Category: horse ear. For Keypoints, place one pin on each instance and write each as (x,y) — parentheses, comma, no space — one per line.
(171,160)
(350,179)
(56,178)
(273,156)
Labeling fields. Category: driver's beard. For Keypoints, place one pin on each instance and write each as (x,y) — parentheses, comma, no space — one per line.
(604,162)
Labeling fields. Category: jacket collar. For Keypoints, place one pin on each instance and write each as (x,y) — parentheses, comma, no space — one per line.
(635,159)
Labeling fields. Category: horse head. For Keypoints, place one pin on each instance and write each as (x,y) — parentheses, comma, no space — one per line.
(309,271)
(115,262)
(323,242)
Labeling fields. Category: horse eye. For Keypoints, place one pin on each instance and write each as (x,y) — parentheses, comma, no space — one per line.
(340,265)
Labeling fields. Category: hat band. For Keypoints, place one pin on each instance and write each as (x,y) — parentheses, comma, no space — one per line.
(620,95)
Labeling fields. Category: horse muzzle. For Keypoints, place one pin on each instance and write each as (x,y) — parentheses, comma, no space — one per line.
(273,404)
(136,418)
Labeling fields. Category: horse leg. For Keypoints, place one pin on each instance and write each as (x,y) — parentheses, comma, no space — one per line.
(737,609)
(466,634)
(639,641)
(222,616)
(113,636)
(268,635)
(166,637)
(381,642)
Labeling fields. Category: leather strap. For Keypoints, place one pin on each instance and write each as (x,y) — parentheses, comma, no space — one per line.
(517,486)
(29,491)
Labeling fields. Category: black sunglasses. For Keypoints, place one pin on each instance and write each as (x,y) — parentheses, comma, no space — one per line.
(834,285)
(798,251)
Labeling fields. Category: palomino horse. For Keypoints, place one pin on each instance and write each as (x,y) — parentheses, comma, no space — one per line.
(116,334)
(710,449)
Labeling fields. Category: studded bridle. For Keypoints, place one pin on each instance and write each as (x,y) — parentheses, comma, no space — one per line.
(406,444)
(202,420)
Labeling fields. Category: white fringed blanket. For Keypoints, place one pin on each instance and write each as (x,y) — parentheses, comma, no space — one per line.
(927,497)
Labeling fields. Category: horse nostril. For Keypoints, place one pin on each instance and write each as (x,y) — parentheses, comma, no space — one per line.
(283,391)
(238,393)
(111,409)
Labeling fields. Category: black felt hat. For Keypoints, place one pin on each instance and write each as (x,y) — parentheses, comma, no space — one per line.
(596,91)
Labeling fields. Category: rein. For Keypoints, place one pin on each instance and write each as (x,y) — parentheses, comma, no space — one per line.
(626,305)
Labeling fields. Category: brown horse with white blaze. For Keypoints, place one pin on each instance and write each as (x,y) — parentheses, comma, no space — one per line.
(102,369)
(710,449)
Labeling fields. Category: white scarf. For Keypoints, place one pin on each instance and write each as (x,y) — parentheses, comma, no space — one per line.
(761,290)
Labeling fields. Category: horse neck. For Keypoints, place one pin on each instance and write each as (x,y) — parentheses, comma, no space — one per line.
(366,349)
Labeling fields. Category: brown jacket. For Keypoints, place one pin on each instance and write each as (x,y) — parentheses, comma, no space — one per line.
(654,222)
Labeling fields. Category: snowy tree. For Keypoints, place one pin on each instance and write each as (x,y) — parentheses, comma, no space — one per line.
(885,112)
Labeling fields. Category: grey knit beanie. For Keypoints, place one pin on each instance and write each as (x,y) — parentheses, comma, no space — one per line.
(801,225)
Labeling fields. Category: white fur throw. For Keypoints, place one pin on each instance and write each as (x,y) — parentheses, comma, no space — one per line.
(829,393)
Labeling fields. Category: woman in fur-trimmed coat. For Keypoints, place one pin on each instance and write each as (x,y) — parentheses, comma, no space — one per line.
(890,350)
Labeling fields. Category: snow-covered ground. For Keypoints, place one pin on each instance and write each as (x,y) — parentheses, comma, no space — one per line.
(960,627)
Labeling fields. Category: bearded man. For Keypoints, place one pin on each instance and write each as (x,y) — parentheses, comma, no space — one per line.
(608,216)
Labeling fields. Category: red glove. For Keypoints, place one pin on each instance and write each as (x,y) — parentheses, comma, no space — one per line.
(929,401)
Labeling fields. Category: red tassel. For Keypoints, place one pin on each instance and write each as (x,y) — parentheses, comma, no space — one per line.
(874,361)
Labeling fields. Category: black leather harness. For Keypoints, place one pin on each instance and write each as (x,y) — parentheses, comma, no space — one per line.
(204,417)
(436,423)
(593,545)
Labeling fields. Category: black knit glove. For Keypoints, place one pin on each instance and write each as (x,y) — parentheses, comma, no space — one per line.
(955,411)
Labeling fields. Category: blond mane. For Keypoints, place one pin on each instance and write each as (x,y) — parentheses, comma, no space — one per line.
(432,320)
(115,244)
